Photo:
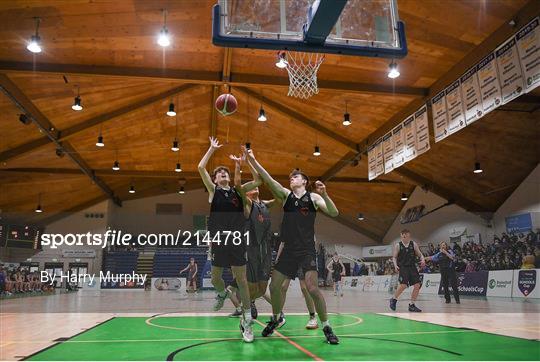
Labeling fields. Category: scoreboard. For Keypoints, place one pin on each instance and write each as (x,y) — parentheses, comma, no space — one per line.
(20,236)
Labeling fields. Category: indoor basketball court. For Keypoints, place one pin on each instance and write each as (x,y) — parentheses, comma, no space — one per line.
(270,180)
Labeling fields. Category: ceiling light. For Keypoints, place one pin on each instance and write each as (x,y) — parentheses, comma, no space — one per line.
(393,71)
(181,191)
(99,142)
(178,168)
(116,166)
(404,197)
(171,112)
(262,115)
(477,168)
(175,147)
(164,39)
(317,151)
(34,45)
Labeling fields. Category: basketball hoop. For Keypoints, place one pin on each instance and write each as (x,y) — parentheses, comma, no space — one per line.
(302,69)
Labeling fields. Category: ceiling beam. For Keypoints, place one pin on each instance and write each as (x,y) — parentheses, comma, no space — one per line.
(46,219)
(203,77)
(163,174)
(63,135)
(345,161)
(288,112)
(44,124)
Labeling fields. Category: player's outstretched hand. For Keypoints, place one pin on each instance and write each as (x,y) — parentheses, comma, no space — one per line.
(247,152)
(320,188)
(236,159)
(214,143)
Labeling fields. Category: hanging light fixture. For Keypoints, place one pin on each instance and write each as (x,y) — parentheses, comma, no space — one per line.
(38,207)
(393,71)
(116,164)
(404,197)
(477,167)
(34,45)
(164,39)
(171,112)
(262,115)
(77,104)
(281,62)
(99,142)
(132,189)
(360,216)
(175,147)
(181,191)
(178,167)
(346,117)
(317,151)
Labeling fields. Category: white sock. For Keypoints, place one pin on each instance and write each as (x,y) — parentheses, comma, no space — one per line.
(247,316)
(326,323)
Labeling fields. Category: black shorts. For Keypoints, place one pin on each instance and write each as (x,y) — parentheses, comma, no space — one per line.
(296,265)
(225,256)
(259,264)
(408,275)
(336,278)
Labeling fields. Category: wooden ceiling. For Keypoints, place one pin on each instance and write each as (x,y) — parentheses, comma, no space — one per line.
(126,81)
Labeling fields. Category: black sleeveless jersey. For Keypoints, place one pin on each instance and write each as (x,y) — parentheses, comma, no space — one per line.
(298,225)
(259,224)
(336,268)
(406,255)
(226,211)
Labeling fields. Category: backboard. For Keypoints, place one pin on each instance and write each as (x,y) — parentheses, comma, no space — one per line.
(363,27)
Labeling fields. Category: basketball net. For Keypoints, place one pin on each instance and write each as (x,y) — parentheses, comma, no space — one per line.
(302,69)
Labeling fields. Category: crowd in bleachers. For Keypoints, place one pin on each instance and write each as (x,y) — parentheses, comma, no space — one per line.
(21,281)
(507,251)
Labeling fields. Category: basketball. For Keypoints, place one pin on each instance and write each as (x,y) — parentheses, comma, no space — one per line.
(226,104)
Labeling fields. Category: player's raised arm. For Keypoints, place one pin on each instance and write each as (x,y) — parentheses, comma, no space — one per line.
(207,180)
(257,181)
(275,187)
(323,201)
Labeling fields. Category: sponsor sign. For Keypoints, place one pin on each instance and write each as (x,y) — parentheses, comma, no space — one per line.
(164,284)
(470,284)
(525,283)
(518,223)
(500,283)
(376,251)
(430,283)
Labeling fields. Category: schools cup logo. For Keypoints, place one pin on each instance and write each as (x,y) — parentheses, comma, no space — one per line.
(526,281)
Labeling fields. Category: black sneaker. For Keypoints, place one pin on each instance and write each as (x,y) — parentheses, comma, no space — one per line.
(413,308)
(458,302)
(393,302)
(330,336)
(237,313)
(254,312)
(448,301)
(270,328)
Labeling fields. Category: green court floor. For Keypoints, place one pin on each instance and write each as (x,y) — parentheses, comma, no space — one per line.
(363,337)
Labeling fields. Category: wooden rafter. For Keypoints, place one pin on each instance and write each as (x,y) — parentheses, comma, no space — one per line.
(63,135)
(27,107)
(204,77)
(163,174)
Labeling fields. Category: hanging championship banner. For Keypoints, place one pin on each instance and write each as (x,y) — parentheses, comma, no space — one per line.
(388,151)
(399,145)
(528,45)
(440,123)
(379,169)
(510,76)
(372,163)
(454,108)
(489,83)
(471,97)
(409,129)
(422,131)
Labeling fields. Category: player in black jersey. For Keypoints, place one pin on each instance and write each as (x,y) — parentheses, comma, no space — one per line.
(337,269)
(226,215)
(259,251)
(405,252)
(298,233)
